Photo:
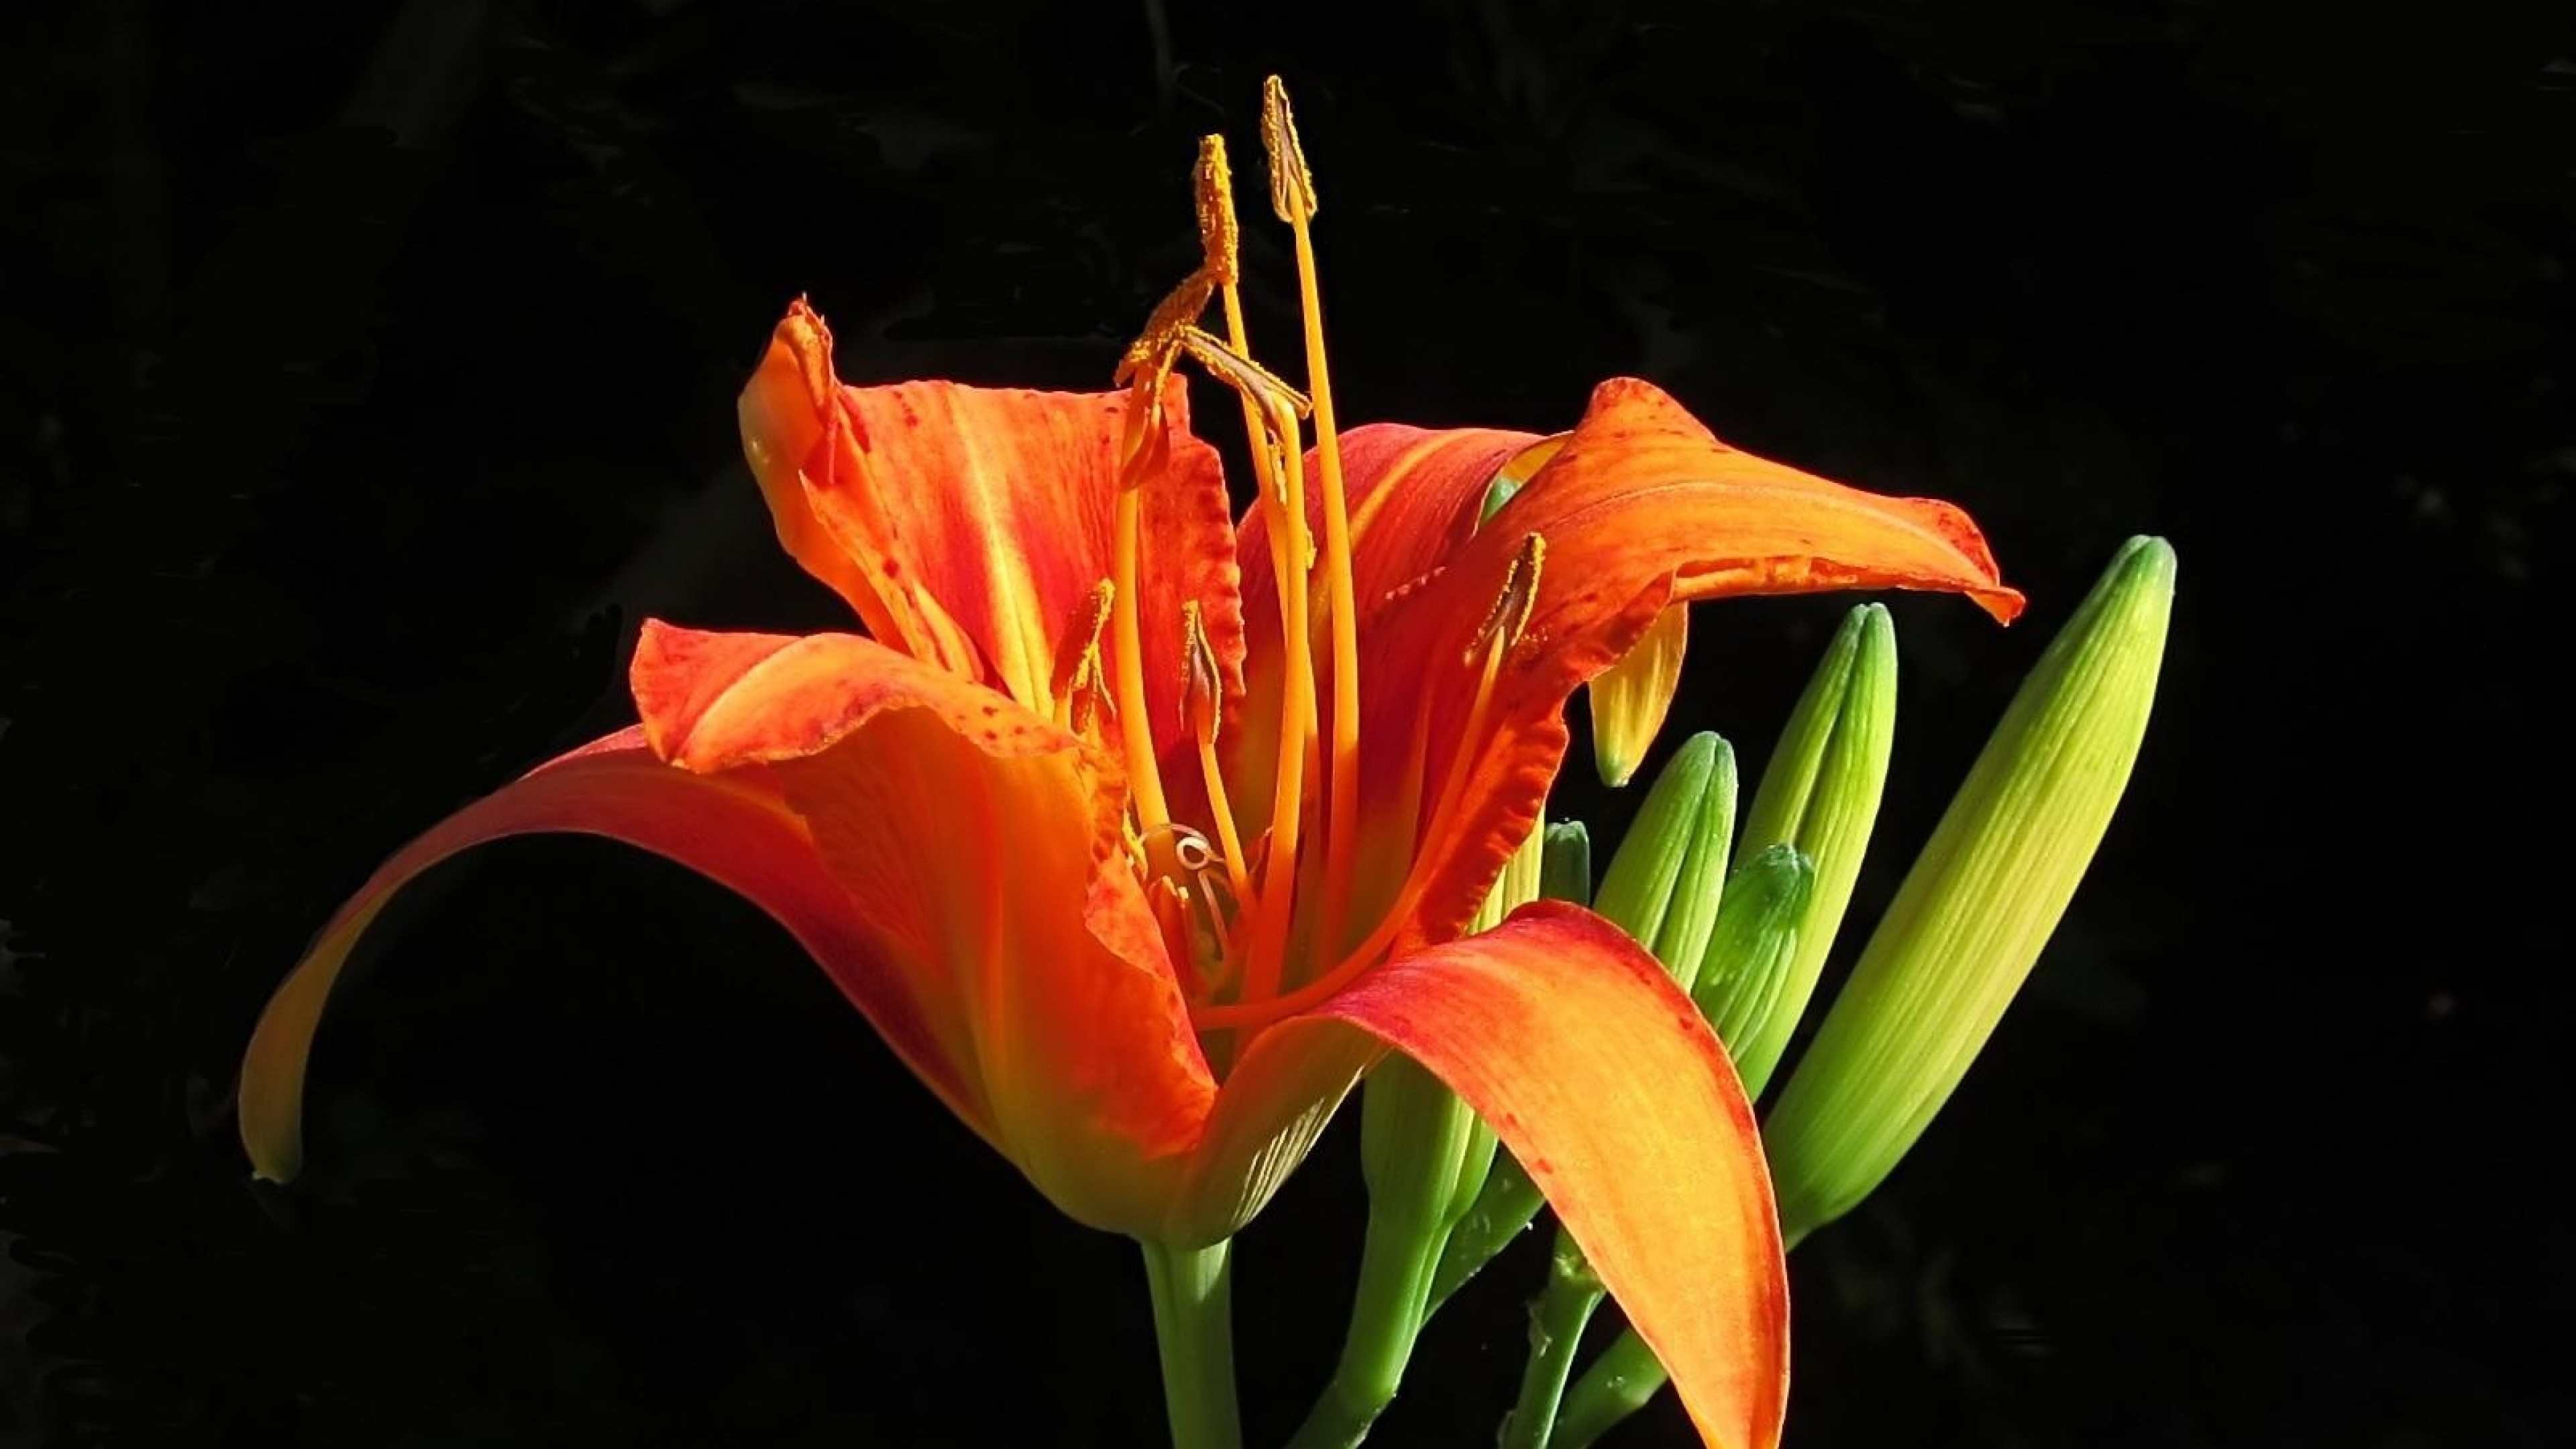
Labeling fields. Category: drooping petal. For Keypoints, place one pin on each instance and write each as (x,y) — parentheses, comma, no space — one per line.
(1641,508)
(1597,1073)
(980,847)
(733,828)
(969,525)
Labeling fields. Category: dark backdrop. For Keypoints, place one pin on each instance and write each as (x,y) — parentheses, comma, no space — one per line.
(366,375)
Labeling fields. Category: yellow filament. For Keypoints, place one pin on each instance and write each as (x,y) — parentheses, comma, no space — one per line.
(1255,1008)
(1501,629)
(1206,708)
(1343,823)
(1269,948)
(1144,776)
(1292,196)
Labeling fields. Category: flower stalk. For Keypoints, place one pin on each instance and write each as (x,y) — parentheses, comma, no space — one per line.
(1194,1329)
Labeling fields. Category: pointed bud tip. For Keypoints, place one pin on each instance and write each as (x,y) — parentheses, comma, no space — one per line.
(2144,561)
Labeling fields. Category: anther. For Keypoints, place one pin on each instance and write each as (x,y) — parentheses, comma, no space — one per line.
(1081,684)
(1219,242)
(1267,389)
(1292,185)
(1518,599)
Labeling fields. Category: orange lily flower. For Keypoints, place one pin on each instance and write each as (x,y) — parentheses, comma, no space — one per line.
(1140,839)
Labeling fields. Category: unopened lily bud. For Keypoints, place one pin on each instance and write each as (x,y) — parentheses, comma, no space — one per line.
(1820,793)
(1565,870)
(1630,699)
(1663,885)
(1980,902)
(1745,971)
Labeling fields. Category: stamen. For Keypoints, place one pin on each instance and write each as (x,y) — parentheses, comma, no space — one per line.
(1078,684)
(1267,389)
(1269,947)
(1510,614)
(1292,196)
(1204,700)
(1143,367)
(1292,182)
(1144,774)
(1494,639)
(1213,189)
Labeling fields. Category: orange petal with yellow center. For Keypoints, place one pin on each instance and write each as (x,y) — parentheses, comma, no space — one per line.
(1641,507)
(1597,1073)
(981,849)
(968,526)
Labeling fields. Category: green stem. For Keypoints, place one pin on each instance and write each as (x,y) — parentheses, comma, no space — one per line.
(1621,1381)
(1194,1325)
(1557,1320)
(1386,1317)
(1500,1213)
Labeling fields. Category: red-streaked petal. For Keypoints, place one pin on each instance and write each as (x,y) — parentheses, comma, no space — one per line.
(1413,495)
(734,829)
(715,701)
(982,847)
(1593,1068)
(968,525)
(1641,507)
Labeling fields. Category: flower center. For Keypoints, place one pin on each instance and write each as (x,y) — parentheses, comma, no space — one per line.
(1234,924)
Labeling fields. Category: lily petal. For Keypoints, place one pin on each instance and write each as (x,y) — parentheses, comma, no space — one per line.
(1593,1068)
(1412,495)
(1641,507)
(735,829)
(1631,697)
(980,848)
(969,525)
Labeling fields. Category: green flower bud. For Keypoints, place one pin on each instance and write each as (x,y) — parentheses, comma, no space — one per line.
(1980,902)
(1565,873)
(1820,794)
(1745,972)
(1664,884)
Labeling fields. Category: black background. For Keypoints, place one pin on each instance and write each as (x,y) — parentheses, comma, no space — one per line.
(366,376)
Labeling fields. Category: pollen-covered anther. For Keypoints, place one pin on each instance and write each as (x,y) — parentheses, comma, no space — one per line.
(1219,239)
(1081,683)
(1518,599)
(1267,389)
(1292,183)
